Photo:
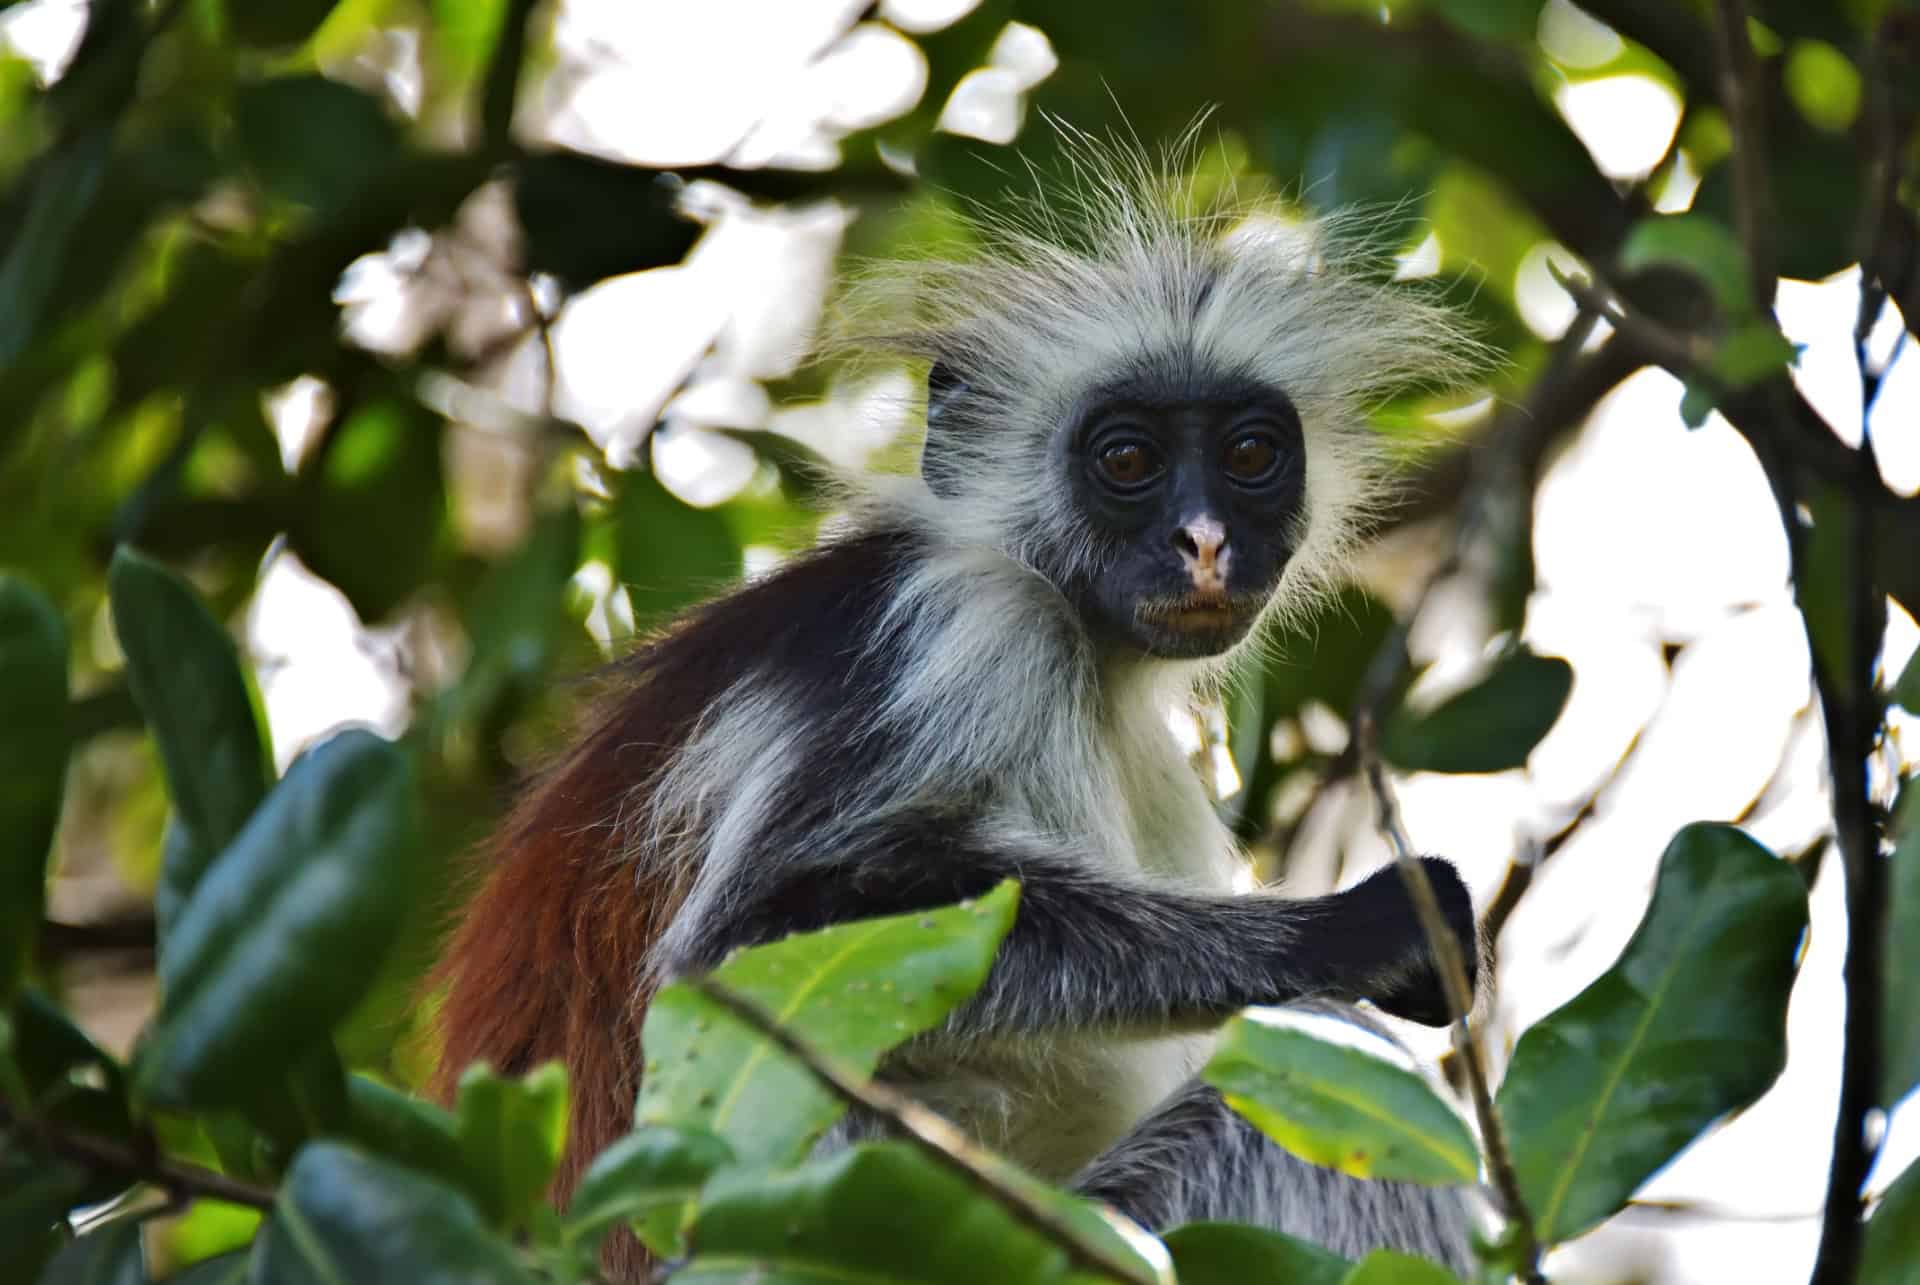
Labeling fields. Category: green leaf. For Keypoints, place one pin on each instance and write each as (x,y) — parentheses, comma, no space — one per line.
(289,926)
(345,1217)
(1507,20)
(109,1256)
(873,1214)
(397,1126)
(661,1167)
(64,1075)
(33,765)
(514,620)
(35,1195)
(1892,1251)
(1697,401)
(671,554)
(226,1269)
(373,505)
(1900,995)
(854,990)
(311,141)
(1236,1254)
(1490,727)
(511,1133)
(63,187)
(1906,689)
(186,677)
(1385,1267)
(1337,1106)
(1824,84)
(1753,353)
(274,24)
(1694,243)
(1688,1025)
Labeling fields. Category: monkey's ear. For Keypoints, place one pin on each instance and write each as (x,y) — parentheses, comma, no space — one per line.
(938,460)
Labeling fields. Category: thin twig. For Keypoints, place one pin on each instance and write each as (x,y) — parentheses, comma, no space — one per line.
(939,1138)
(1453,976)
(178,1178)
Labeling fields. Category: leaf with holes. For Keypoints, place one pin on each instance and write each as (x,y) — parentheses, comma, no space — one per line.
(1339,1106)
(1688,1025)
(854,990)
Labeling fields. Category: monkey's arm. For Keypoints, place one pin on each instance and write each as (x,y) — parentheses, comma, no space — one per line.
(1093,950)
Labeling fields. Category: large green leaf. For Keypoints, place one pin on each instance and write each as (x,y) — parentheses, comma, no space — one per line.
(1490,727)
(1236,1254)
(1688,1025)
(671,554)
(109,1256)
(288,927)
(1892,1253)
(186,676)
(652,1169)
(1338,1106)
(1900,1025)
(511,1133)
(64,186)
(855,990)
(33,764)
(346,1217)
(873,1214)
(397,1126)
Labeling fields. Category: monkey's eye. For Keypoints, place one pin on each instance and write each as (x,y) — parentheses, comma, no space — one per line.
(1129,465)
(1252,458)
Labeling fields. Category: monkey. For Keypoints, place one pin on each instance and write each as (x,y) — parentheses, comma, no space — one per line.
(1146,448)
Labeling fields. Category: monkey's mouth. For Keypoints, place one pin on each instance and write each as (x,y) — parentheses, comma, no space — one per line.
(1198,613)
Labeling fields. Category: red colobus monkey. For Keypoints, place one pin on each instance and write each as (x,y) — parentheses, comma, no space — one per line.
(1145,444)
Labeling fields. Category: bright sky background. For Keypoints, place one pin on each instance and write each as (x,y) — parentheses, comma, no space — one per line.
(1645,534)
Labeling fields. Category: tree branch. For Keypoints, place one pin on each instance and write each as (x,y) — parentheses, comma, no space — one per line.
(936,1136)
(1742,93)
(136,1164)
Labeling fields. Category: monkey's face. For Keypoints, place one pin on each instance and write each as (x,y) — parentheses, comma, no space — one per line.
(1197,493)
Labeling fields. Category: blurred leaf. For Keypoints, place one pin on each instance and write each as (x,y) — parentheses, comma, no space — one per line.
(1697,401)
(33,764)
(1506,20)
(1823,84)
(660,1167)
(1337,1106)
(1385,1267)
(586,219)
(461,38)
(854,990)
(226,1269)
(1236,1254)
(1753,353)
(63,187)
(805,475)
(186,676)
(1688,1025)
(672,555)
(1694,243)
(875,1213)
(373,504)
(1816,197)
(511,1133)
(400,1127)
(288,926)
(1490,727)
(1824,587)
(1900,999)
(1325,659)
(1892,1251)
(311,141)
(273,24)
(344,1216)
(110,1256)
(1906,689)
(35,1194)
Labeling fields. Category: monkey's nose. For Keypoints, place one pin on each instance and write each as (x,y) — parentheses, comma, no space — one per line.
(1202,545)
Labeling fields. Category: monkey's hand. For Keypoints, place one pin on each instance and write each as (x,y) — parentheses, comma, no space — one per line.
(1416,991)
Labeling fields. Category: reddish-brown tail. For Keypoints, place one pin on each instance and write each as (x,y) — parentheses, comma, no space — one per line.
(549,958)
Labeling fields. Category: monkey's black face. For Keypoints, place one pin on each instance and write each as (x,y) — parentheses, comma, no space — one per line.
(1197,493)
